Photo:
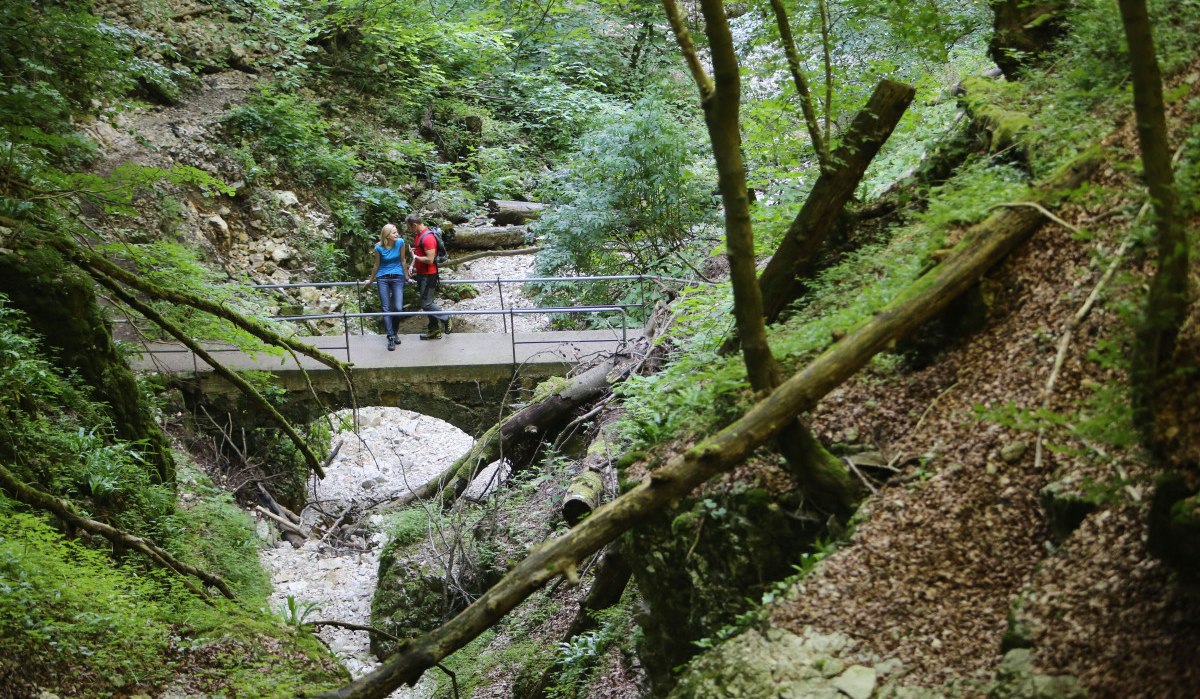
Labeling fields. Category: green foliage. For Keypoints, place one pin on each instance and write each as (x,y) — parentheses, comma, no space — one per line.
(408,526)
(70,619)
(634,199)
(218,536)
(279,130)
(296,612)
(579,657)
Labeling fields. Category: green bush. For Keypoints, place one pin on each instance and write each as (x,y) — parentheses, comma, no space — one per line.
(72,620)
(283,131)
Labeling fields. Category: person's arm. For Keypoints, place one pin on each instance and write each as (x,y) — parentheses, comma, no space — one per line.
(374,270)
(406,251)
(428,255)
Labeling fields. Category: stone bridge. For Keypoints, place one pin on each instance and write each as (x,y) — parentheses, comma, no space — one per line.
(463,378)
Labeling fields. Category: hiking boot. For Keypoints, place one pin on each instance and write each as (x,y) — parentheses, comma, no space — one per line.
(391,343)
(446,327)
(434,334)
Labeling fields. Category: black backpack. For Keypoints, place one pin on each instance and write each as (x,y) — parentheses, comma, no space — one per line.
(441,256)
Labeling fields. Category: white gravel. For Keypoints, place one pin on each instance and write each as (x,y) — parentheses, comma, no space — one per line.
(515,267)
(395,450)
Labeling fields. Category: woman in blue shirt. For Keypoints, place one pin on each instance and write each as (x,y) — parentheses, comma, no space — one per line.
(392,257)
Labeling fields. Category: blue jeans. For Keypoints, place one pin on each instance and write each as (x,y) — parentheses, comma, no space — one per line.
(391,295)
(427,285)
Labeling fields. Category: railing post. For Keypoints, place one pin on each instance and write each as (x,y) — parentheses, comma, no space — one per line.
(513,335)
(346,334)
(500,290)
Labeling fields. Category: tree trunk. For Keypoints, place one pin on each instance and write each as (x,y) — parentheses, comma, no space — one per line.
(983,246)
(1175,514)
(487,237)
(1023,30)
(867,134)
(518,437)
(1167,302)
(806,105)
(513,213)
(721,98)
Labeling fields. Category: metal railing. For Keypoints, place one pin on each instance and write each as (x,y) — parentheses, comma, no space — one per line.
(507,313)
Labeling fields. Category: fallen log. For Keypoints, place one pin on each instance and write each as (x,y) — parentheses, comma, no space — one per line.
(984,245)
(458,260)
(487,237)
(513,213)
(516,437)
(869,130)
(584,493)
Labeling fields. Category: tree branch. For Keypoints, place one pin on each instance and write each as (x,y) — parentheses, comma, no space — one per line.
(63,510)
(241,384)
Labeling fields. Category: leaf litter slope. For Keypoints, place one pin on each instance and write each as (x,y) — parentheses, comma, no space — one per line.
(959,535)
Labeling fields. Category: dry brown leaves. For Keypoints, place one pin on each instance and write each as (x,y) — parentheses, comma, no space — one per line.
(930,575)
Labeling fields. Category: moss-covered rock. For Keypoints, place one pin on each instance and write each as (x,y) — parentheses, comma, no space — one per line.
(1066,504)
(1175,525)
(410,600)
(700,565)
(60,305)
(1016,679)
(779,663)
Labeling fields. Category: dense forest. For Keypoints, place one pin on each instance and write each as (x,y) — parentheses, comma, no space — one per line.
(914,413)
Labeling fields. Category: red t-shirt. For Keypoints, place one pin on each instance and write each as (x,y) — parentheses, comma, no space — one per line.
(422,246)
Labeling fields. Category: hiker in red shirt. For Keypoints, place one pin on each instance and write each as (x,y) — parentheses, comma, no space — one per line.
(425,271)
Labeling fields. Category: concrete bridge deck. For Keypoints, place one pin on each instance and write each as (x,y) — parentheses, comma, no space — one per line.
(465,350)
(461,378)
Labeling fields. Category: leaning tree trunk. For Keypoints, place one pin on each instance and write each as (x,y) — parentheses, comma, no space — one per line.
(983,246)
(518,437)
(816,220)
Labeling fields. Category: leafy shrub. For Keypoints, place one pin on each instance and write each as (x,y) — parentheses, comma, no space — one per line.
(283,131)
(71,620)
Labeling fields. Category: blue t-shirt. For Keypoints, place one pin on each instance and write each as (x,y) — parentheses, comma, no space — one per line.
(390,261)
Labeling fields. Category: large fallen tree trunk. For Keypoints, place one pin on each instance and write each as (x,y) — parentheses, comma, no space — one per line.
(461,259)
(982,247)
(487,237)
(816,220)
(513,213)
(517,437)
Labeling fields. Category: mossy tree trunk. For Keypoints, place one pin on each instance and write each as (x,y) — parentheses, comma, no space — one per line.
(1167,302)
(720,98)
(60,304)
(819,215)
(1023,30)
(1175,514)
